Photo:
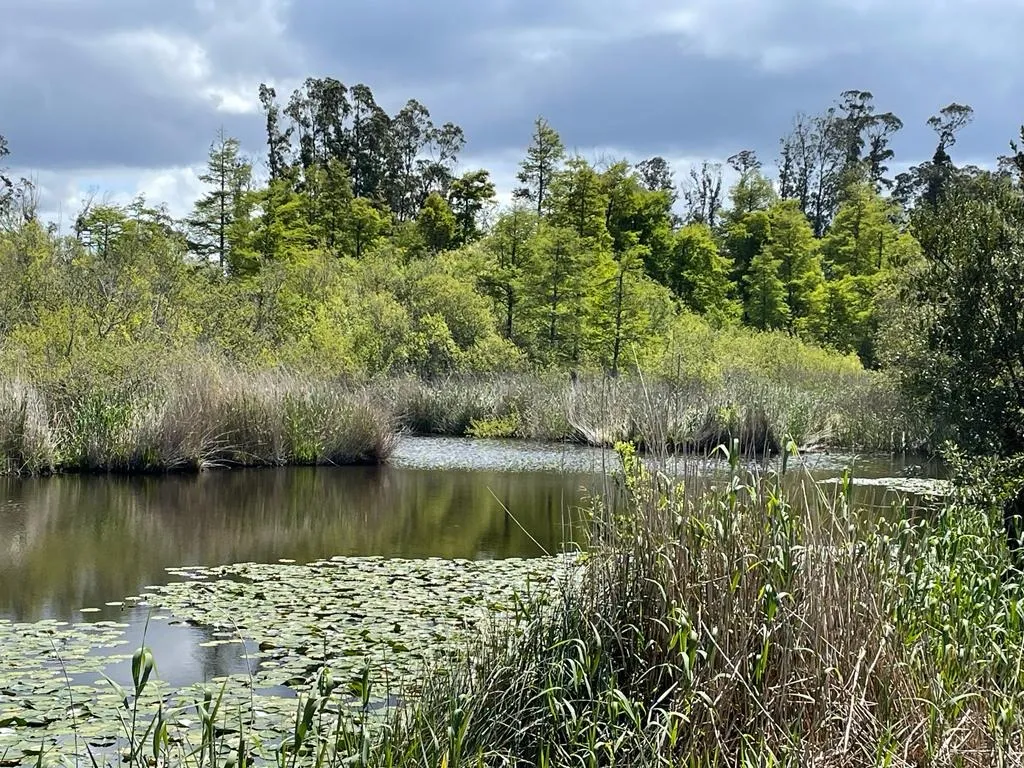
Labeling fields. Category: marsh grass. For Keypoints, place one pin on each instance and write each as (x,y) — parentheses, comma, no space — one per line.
(189,419)
(26,442)
(845,410)
(752,624)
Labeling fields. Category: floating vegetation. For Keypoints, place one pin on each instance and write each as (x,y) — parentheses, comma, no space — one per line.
(375,620)
(919,486)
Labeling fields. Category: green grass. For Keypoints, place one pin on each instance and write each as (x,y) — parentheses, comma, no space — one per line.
(759,623)
(188,419)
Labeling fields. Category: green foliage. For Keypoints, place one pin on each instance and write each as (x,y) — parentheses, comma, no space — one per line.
(469,195)
(766,307)
(792,246)
(700,274)
(538,168)
(436,223)
(953,332)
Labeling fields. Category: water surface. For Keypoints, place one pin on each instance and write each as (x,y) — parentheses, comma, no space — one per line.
(78,541)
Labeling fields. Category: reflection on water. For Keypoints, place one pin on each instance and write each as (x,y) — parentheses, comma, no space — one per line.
(72,542)
(79,541)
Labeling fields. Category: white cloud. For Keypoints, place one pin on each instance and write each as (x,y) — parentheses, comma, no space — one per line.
(62,196)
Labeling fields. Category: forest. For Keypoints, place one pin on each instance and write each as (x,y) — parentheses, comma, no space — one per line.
(359,247)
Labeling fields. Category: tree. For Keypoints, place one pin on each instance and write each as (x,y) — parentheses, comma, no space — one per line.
(954,333)
(278,141)
(511,251)
(865,137)
(704,194)
(327,192)
(822,155)
(6,186)
(929,179)
(766,307)
(655,175)
(362,226)
(563,278)
(744,238)
(791,244)
(436,223)
(753,191)
(542,161)
(629,308)
(578,201)
(436,172)
(229,177)
(468,196)
(366,143)
(411,129)
(700,275)
(638,215)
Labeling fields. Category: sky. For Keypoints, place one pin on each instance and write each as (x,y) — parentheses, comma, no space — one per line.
(113,98)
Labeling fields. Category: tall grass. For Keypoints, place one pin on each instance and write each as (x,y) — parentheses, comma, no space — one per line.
(189,419)
(849,410)
(745,627)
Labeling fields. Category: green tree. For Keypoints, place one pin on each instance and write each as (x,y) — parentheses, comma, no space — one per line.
(655,175)
(791,243)
(364,224)
(745,236)
(579,201)
(766,307)
(954,331)
(753,191)
(511,259)
(558,289)
(700,274)
(327,192)
(211,224)
(469,195)
(542,161)
(631,310)
(436,223)
(637,215)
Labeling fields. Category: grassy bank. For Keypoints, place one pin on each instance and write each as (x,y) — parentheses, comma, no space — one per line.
(855,410)
(186,419)
(750,625)
(199,416)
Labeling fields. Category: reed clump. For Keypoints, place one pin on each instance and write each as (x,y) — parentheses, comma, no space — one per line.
(189,419)
(843,410)
(753,624)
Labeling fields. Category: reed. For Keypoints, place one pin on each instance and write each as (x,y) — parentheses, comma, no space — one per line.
(190,419)
(850,411)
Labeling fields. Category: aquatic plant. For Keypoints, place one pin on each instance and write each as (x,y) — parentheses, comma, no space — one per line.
(188,420)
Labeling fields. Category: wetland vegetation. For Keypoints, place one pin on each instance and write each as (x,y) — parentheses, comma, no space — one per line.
(367,287)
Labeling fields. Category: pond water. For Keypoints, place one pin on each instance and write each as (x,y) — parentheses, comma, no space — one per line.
(87,542)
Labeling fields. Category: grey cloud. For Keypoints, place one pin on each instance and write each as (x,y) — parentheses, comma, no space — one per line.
(705,77)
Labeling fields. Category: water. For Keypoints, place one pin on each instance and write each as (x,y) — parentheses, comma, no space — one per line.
(74,542)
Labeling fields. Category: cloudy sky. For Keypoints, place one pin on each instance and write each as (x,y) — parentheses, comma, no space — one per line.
(124,96)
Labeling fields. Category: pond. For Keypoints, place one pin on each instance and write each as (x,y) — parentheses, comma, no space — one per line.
(88,550)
